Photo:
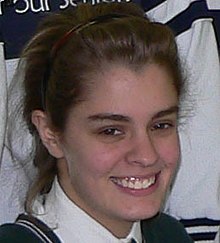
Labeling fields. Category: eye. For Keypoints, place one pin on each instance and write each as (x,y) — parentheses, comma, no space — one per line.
(162,126)
(111,131)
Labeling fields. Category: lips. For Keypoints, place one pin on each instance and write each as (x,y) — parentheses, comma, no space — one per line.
(136,183)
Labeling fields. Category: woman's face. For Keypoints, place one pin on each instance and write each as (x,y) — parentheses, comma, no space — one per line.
(120,147)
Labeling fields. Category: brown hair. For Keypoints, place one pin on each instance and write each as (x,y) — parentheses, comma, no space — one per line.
(130,40)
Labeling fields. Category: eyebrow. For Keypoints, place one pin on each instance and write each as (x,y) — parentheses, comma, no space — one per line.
(109,116)
(169,111)
(122,118)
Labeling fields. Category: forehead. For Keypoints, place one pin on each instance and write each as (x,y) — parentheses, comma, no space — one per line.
(150,81)
(121,90)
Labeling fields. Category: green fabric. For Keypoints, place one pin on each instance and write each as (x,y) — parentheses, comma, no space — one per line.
(12,233)
(164,229)
(160,229)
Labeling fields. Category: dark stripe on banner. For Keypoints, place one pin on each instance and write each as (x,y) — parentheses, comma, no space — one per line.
(150,4)
(184,20)
(200,222)
(197,10)
(216,15)
(203,236)
(16,29)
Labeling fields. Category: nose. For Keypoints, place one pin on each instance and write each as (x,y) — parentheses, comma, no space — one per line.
(142,151)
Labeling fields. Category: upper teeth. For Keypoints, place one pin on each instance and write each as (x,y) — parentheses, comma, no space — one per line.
(135,183)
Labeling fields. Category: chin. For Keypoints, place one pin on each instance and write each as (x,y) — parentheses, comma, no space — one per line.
(142,213)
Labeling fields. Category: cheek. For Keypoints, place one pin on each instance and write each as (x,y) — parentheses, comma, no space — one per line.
(109,156)
(103,159)
(170,152)
(95,160)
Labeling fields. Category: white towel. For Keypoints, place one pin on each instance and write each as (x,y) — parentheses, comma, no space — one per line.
(217,238)
(213,4)
(196,192)
(3,98)
(17,170)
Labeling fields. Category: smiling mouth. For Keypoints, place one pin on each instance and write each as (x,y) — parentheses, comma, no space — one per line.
(134,182)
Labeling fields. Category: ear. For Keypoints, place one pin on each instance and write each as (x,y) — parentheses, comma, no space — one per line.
(49,137)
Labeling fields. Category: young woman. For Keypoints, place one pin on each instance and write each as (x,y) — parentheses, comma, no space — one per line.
(102,90)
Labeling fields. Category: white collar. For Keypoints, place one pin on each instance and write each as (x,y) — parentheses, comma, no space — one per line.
(70,222)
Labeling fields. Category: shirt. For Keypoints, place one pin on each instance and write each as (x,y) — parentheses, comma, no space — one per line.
(72,224)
